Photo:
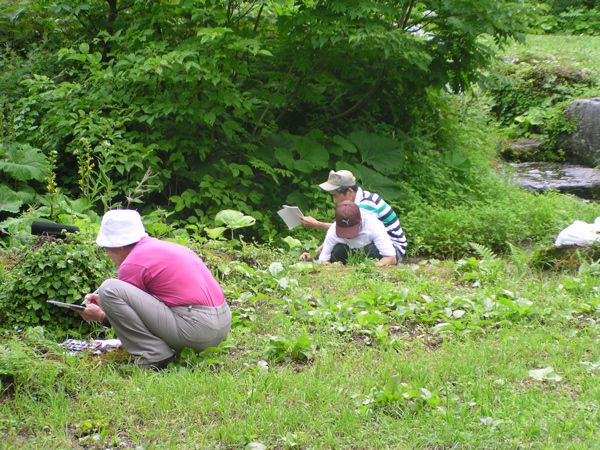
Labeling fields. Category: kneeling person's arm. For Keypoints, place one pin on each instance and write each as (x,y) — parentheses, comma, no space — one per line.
(93,313)
(326,247)
(311,222)
(384,244)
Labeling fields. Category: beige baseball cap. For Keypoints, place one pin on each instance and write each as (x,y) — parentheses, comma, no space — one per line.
(120,227)
(336,180)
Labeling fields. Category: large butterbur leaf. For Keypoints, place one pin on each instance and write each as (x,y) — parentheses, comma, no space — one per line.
(387,187)
(382,153)
(234,219)
(23,162)
(9,200)
(301,153)
(456,160)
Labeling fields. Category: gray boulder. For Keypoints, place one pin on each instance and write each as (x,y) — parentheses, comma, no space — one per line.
(526,149)
(583,146)
(541,176)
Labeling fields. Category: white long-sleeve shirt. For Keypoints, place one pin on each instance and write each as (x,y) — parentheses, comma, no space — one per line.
(371,231)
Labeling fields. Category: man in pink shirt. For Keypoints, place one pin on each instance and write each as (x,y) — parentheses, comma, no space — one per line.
(165,299)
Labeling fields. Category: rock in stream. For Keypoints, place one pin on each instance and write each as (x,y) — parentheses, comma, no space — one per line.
(540,176)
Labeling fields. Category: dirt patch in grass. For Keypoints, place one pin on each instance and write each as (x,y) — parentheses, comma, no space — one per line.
(417,333)
(361,339)
(572,391)
(585,320)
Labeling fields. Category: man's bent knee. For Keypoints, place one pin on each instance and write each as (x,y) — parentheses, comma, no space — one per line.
(109,291)
(108,285)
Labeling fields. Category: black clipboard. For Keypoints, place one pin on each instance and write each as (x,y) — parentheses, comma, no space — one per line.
(72,306)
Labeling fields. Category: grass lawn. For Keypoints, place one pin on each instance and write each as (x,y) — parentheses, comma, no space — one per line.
(579,52)
(428,355)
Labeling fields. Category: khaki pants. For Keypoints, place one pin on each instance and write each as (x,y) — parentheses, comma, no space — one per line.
(151,331)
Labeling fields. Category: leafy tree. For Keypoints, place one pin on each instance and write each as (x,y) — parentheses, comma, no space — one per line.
(242,104)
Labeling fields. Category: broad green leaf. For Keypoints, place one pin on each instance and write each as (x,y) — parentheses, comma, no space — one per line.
(234,219)
(456,160)
(303,267)
(380,152)
(440,327)
(292,242)
(23,162)
(301,153)
(374,181)
(345,144)
(215,233)
(9,200)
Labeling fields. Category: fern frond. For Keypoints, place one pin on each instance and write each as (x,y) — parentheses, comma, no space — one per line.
(485,253)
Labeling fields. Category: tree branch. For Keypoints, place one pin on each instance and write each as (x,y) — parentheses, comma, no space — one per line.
(244,14)
(361,101)
(407,13)
(268,108)
(230,9)
(258,17)
(112,10)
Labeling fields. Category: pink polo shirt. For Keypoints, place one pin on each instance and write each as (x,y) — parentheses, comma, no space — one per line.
(172,273)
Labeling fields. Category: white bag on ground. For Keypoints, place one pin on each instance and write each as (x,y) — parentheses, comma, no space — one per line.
(579,233)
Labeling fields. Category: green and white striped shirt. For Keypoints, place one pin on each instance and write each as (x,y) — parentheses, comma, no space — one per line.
(373,203)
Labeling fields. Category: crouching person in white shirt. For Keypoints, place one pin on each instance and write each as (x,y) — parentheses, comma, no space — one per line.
(354,232)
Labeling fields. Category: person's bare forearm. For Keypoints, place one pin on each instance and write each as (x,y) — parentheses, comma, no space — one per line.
(325,226)
(311,222)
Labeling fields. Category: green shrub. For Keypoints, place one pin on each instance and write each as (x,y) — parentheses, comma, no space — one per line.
(398,398)
(512,216)
(299,349)
(52,269)
(574,18)
(529,94)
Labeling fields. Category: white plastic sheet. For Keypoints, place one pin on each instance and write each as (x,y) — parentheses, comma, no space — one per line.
(579,233)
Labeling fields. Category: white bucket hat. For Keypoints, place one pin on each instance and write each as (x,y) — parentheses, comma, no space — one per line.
(120,227)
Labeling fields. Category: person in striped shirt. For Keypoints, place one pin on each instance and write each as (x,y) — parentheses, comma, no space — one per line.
(342,186)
